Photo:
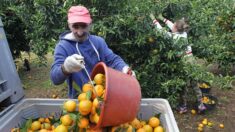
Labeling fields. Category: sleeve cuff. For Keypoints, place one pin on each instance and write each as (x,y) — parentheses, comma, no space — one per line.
(155,22)
(165,20)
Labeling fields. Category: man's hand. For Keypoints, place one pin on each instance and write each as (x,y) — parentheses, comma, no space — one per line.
(73,63)
(127,70)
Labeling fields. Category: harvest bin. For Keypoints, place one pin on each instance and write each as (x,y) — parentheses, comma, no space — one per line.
(35,108)
(15,110)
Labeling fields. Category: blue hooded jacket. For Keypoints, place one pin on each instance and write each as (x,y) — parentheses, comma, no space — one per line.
(94,49)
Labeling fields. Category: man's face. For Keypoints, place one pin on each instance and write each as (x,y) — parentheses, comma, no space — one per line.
(79,30)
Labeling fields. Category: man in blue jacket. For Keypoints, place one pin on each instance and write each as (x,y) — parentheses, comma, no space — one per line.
(78,50)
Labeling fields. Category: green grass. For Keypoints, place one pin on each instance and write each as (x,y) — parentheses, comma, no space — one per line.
(38,78)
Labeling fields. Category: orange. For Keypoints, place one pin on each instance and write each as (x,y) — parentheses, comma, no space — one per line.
(221,125)
(66,120)
(52,127)
(210,124)
(95,130)
(154,122)
(41,120)
(46,126)
(200,125)
(151,40)
(61,128)
(140,130)
(193,111)
(143,123)
(47,120)
(15,130)
(130,128)
(99,89)
(87,87)
(136,123)
(114,128)
(85,107)
(93,110)
(82,96)
(200,129)
(148,128)
(70,106)
(158,129)
(29,130)
(91,117)
(96,118)
(204,122)
(36,125)
(43,130)
(99,79)
(103,94)
(83,123)
(96,103)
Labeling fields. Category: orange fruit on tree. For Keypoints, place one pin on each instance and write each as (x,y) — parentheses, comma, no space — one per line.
(99,79)
(83,123)
(70,106)
(151,39)
(87,87)
(61,128)
(148,128)
(99,89)
(154,122)
(82,96)
(66,120)
(136,123)
(85,107)
(36,125)
(158,129)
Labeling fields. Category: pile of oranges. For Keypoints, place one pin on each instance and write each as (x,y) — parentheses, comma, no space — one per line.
(81,116)
(207,100)
(152,125)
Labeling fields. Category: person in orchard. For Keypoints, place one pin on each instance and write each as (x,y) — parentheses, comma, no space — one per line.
(78,51)
(179,35)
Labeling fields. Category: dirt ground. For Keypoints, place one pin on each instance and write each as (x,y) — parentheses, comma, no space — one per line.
(37,84)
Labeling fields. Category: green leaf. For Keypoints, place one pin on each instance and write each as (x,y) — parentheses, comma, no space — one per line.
(76,87)
(88,94)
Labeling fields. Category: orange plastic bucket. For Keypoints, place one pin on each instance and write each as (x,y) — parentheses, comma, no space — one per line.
(122,97)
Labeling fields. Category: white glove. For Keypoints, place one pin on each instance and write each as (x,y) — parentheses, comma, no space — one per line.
(127,70)
(74,63)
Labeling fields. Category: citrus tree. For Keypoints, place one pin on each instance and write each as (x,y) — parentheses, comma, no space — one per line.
(128,30)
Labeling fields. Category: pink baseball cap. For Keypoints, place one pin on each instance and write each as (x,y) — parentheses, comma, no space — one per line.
(79,14)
